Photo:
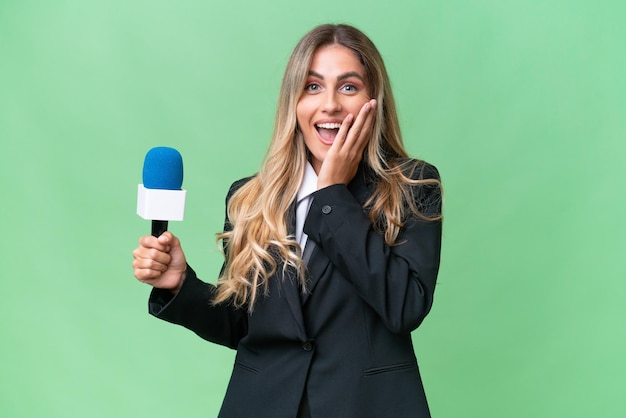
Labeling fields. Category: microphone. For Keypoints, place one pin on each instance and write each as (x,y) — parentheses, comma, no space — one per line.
(160,197)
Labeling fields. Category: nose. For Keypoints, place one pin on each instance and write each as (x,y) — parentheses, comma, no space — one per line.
(332,103)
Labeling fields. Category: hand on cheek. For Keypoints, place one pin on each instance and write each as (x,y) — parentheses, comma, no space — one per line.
(343,157)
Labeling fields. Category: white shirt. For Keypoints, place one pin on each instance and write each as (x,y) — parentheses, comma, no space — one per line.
(308,186)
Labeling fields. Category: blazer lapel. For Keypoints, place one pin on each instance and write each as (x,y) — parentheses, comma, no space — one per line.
(316,264)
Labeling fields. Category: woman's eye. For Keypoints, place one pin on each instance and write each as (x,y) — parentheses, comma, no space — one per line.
(312,87)
(350,88)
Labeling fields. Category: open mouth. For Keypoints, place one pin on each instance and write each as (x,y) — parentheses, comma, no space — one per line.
(327,131)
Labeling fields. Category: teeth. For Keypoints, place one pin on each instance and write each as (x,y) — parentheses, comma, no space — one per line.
(329,125)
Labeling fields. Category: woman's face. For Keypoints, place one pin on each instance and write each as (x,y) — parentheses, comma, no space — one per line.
(335,87)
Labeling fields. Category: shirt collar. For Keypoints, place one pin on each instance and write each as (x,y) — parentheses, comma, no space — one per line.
(309,182)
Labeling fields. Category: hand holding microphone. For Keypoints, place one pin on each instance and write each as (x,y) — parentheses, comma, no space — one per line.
(160,262)
(159,259)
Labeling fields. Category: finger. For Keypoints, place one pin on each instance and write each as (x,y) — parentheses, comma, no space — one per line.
(343,131)
(146,269)
(146,275)
(152,242)
(355,135)
(366,130)
(152,254)
(149,264)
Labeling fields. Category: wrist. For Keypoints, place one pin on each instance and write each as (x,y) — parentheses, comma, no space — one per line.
(176,289)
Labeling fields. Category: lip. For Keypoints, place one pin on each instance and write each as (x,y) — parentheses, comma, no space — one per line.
(333,120)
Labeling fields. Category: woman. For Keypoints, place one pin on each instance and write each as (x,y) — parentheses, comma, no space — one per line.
(331,250)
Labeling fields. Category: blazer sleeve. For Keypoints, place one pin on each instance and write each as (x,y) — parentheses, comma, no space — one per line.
(398,281)
(193,308)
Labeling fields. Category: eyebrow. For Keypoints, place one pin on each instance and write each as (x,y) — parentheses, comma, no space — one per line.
(341,77)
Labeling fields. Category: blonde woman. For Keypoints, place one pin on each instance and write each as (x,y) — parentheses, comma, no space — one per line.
(331,250)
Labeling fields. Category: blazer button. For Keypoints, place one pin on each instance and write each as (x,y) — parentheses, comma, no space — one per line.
(326,209)
(307,346)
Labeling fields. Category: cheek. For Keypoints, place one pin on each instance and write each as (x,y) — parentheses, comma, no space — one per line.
(305,109)
(301,112)
(358,104)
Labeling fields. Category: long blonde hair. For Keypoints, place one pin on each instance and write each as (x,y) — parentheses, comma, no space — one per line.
(256,239)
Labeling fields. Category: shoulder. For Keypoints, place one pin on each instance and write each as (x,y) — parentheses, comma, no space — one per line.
(234,187)
(238,184)
(425,183)
(418,169)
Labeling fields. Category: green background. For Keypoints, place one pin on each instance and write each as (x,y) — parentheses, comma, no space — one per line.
(521,104)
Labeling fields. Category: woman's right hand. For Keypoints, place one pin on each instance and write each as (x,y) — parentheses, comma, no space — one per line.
(160,262)
(344,155)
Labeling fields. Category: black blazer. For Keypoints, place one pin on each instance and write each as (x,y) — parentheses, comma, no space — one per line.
(346,343)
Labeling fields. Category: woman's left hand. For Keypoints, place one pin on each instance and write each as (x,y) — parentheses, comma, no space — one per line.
(344,155)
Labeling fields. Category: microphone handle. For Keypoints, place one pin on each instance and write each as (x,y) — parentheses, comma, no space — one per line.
(158,227)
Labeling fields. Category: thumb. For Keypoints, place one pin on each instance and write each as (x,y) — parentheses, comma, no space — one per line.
(174,249)
(165,238)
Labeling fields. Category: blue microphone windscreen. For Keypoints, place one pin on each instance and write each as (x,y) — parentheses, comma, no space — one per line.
(163,169)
